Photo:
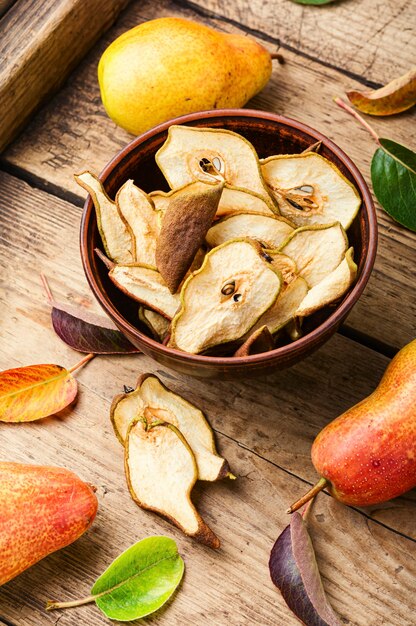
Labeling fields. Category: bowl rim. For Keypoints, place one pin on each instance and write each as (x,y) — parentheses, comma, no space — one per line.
(287,350)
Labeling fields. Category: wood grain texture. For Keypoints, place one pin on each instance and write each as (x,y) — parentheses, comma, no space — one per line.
(73,133)
(40,43)
(372,39)
(264,428)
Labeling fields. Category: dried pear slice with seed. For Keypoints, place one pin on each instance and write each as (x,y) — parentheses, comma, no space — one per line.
(331,288)
(225,297)
(116,236)
(271,231)
(187,150)
(155,401)
(140,216)
(317,250)
(309,189)
(285,307)
(145,284)
(156,323)
(259,341)
(161,471)
(185,223)
(191,422)
(232,199)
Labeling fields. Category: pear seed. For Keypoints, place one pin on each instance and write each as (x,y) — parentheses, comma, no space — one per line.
(228,288)
(237,297)
(217,163)
(128,389)
(305,188)
(294,204)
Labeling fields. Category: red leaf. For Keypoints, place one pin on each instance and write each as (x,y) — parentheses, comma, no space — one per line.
(30,393)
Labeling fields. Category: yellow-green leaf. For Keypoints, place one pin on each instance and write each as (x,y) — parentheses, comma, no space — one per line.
(137,583)
(30,393)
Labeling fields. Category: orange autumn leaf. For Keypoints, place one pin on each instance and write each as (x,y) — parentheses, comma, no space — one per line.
(395,97)
(36,391)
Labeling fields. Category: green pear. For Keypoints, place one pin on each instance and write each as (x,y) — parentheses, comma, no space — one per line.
(168,67)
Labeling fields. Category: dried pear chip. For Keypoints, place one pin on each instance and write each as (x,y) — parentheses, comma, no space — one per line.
(271,231)
(309,189)
(235,199)
(144,284)
(155,401)
(259,341)
(186,221)
(126,408)
(283,264)
(187,151)
(156,323)
(116,236)
(191,422)
(140,216)
(285,307)
(332,287)
(225,297)
(232,199)
(316,250)
(161,471)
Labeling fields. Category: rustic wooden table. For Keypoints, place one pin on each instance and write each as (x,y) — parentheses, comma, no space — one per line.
(264,427)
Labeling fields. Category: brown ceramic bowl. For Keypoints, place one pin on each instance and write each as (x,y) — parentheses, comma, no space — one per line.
(270,134)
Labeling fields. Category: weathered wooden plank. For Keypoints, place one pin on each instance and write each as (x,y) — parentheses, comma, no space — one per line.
(40,44)
(277,417)
(361,38)
(73,133)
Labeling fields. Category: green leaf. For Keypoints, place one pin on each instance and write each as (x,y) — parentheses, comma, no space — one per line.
(140,580)
(314,2)
(393,174)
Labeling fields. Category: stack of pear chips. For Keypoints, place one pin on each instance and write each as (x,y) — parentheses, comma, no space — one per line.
(168,446)
(239,251)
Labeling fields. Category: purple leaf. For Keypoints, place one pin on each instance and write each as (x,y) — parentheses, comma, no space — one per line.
(87,332)
(293,569)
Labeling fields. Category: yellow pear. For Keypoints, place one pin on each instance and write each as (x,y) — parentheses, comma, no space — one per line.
(170,66)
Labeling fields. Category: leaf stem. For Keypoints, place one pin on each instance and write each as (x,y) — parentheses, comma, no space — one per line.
(52,606)
(46,288)
(82,362)
(321,484)
(358,117)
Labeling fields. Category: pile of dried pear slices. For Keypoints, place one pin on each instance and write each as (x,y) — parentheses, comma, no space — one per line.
(237,251)
(168,446)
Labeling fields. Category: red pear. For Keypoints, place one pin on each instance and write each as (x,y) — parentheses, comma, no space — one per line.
(368,454)
(42,509)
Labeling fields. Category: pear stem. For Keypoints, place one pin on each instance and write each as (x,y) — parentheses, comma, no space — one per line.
(358,117)
(278,57)
(107,262)
(81,362)
(321,484)
(52,606)
(315,147)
